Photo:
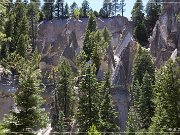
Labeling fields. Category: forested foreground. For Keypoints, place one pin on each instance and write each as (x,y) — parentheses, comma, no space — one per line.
(80,102)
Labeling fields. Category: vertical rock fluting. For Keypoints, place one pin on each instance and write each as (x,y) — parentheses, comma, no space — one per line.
(67,38)
(166,34)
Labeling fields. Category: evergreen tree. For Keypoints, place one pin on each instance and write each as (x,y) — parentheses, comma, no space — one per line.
(63,95)
(122,5)
(141,90)
(73,7)
(85,8)
(166,99)
(106,35)
(59,9)
(140,32)
(3,10)
(88,113)
(97,51)
(106,9)
(28,115)
(91,27)
(146,108)
(23,41)
(108,113)
(9,30)
(152,15)
(22,45)
(61,127)
(66,11)
(115,7)
(33,15)
(133,123)
(93,131)
(142,63)
(48,9)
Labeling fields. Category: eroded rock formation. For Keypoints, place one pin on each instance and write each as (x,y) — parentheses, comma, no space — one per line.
(166,34)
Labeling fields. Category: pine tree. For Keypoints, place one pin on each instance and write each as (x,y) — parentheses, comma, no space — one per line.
(140,32)
(166,99)
(98,50)
(33,15)
(91,27)
(63,95)
(93,131)
(59,9)
(61,127)
(133,123)
(108,114)
(9,30)
(122,5)
(146,107)
(85,8)
(66,11)
(142,63)
(141,90)
(106,35)
(73,7)
(48,9)
(152,15)
(115,7)
(106,9)
(88,113)
(23,41)
(3,11)
(28,115)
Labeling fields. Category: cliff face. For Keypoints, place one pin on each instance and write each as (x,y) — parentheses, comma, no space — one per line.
(64,38)
(166,34)
(57,37)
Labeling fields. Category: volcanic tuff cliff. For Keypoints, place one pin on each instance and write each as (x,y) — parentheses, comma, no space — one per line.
(64,38)
(165,40)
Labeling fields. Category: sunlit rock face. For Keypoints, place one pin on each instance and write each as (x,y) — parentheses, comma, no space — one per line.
(64,38)
(166,34)
(57,36)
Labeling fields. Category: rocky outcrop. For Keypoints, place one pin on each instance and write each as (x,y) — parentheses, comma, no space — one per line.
(166,34)
(59,38)
(56,37)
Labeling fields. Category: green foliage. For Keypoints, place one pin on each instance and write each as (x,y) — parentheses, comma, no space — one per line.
(122,5)
(48,9)
(152,14)
(166,98)
(140,32)
(63,95)
(73,7)
(142,63)
(85,8)
(133,123)
(93,131)
(33,17)
(76,13)
(108,113)
(66,11)
(142,108)
(28,115)
(89,100)
(22,45)
(146,107)
(105,11)
(61,127)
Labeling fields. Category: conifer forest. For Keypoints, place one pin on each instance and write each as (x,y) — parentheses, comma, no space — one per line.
(72,69)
